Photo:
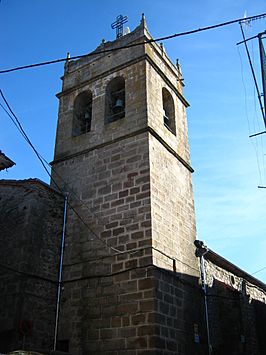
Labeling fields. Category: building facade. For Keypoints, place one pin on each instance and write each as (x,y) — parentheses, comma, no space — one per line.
(31,216)
(236,308)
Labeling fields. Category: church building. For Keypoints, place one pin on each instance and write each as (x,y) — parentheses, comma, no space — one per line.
(132,282)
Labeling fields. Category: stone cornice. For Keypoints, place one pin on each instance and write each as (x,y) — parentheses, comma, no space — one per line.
(119,139)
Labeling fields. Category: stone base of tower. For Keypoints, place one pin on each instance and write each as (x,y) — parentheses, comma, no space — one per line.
(138,310)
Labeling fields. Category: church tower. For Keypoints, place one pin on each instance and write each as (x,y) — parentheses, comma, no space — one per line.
(130,276)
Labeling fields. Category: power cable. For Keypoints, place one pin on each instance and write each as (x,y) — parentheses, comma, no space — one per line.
(253,72)
(99,52)
(258,121)
(11,118)
(258,270)
(173,274)
(19,126)
(22,131)
(260,142)
(9,268)
(127,252)
(250,38)
(103,51)
(118,252)
(253,143)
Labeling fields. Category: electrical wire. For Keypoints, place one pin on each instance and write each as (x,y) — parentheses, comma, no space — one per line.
(245,89)
(250,38)
(102,224)
(113,274)
(168,272)
(96,52)
(260,138)
(9,268)
(117,252)
(11,118)
(21,130)
(264,268)
(128,252)
(19,127)
(260,143)
(253,143)
(252,70)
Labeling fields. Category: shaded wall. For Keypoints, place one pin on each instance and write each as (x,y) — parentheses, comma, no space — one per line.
(31,216)
(236,308)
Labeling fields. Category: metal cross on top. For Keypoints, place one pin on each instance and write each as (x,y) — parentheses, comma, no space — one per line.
(118,24)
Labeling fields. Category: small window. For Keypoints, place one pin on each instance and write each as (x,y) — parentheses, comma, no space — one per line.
(82,114)
(115,100)
(168,111)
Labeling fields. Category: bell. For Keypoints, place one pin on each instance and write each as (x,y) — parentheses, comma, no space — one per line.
(119,106)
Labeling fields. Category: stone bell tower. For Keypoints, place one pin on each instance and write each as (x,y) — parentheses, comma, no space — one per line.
(130,277)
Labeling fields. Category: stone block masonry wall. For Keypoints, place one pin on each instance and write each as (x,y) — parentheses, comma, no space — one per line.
(121,303)
(236,308)
(101,133)
(173,216)
(116,313)
(172,202)
(110,189)
(142,310)
(31,216)
(156,81)
(179,313)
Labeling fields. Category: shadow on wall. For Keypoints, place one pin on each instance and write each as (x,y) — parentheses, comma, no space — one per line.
(164,313)
(237,322)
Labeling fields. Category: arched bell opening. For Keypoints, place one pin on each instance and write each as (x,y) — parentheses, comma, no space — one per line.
(168,111)
(82,114)
(115,100)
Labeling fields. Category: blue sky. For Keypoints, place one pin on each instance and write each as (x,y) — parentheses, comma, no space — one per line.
(224,108)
